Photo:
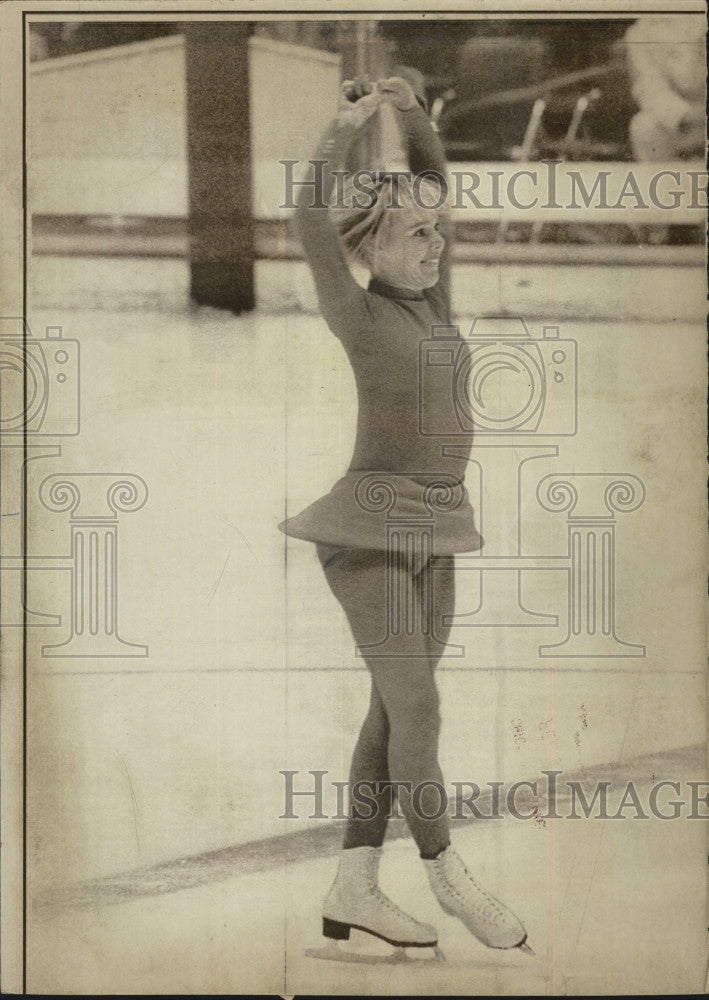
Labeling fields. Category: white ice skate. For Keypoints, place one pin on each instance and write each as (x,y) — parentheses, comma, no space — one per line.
(461,896)
(355,902)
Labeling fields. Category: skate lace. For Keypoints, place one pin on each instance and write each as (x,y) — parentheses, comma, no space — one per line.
(474,896)
(393,908)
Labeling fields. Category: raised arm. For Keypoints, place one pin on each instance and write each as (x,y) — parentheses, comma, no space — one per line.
(342,301)
(425,151)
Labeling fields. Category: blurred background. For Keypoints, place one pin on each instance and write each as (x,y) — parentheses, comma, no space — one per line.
(127,173)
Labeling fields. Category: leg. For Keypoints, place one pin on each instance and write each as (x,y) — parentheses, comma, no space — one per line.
(406,688)
(457,891)
(443,600)
(358,578)
(412,707)
(370,757)
(440,583)
(370,764)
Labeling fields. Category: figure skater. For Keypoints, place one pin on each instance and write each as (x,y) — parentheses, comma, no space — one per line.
(402,239)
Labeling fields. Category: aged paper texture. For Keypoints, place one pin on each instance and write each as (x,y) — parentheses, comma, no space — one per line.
(188,691)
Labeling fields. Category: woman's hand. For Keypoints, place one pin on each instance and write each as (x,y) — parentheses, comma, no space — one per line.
(395,89)
(399,92)
(353,90)
(360,100)
(353,116)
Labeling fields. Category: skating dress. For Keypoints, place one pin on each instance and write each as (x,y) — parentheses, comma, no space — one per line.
(411,448)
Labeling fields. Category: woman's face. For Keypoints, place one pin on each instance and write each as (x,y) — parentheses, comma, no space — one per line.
(409,249)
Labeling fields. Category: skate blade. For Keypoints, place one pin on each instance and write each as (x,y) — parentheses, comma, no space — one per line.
(333,952)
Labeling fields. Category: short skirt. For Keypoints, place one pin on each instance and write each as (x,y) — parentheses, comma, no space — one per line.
(368,510)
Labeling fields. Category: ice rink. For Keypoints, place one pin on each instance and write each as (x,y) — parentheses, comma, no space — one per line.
(158,859)
(594,895)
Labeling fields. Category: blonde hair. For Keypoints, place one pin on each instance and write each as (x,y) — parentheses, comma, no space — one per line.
(359,213)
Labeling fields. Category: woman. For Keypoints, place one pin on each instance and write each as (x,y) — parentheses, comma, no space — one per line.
(394,226)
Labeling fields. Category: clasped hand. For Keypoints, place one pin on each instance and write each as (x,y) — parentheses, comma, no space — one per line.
(360,99)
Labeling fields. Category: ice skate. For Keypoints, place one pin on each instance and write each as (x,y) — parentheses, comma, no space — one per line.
(461,896)
(355,902)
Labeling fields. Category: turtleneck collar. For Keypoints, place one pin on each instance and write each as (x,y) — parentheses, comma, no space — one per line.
(392,291)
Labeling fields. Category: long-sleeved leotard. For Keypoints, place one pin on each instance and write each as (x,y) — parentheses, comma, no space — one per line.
(407,396)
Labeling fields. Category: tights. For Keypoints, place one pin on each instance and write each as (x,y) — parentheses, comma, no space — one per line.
(398,741)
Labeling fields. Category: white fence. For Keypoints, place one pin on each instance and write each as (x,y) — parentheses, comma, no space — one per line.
(107,136)
(107,131)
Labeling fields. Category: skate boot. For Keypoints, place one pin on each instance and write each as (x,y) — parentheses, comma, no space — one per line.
(461,896)
(356,901)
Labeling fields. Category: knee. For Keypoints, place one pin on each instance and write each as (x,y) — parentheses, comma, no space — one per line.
(416,718)
(375,728)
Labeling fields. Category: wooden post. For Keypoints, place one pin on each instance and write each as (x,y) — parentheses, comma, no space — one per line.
(221,226)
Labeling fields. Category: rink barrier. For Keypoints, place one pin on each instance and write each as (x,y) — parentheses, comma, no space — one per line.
(166,237)
(125,158)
